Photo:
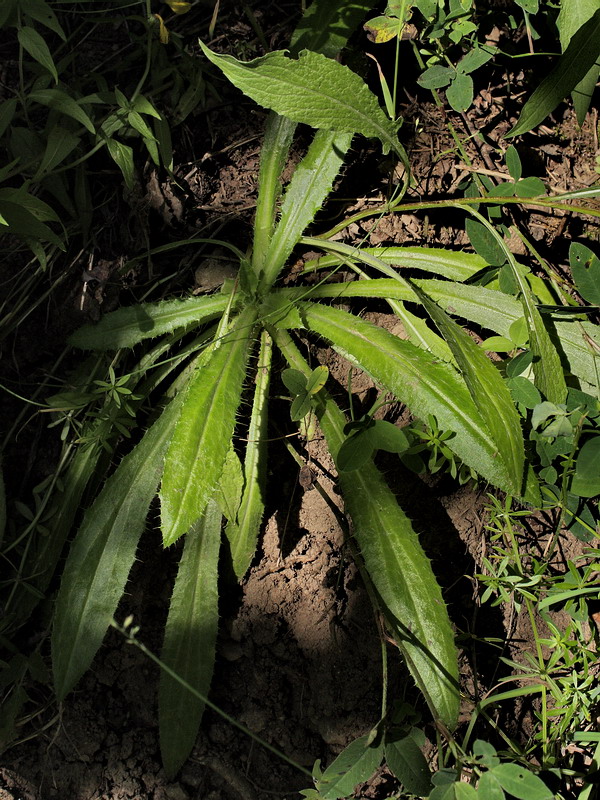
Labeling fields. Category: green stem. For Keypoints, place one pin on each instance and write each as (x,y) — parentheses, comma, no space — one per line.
(149,34)
(464,202)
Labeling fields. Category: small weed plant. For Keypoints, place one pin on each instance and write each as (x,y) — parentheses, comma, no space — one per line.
(188,382)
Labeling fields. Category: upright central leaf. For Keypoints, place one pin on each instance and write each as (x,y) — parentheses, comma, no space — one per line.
(201,439)
(314,90)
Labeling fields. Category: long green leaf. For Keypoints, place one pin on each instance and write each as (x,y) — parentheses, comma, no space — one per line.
(102,553)
(396,565)
(426,385)
(127,327)
(61,101)
(324,28)
(279,132)
(243,532)
(201,438)
(549,377)
(454,265)
(488,390)
(190,638)
(310,185)
(579,57)
(580,341)
(60,143)
(24,224)
(33,43)
(314,90)
(573,14)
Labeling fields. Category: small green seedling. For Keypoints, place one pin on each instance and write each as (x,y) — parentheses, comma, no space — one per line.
(365,437)
(304,389)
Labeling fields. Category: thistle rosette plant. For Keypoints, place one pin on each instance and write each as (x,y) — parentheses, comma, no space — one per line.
(186,455)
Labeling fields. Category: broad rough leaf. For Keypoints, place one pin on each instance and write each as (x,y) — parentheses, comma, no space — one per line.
(487,307)
(488,390)
(586,481)
(327,24)
(242,532)
(102,553)
(417,379)
(460,92)
(310,185)
(521,783)
(406,760)
(585,269)
(354,765)
(127,327)
(190,639)
(489,788)
(578,59)
(397,567)
(201,439)
(314,90)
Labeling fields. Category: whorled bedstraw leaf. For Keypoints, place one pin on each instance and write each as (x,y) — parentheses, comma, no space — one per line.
(314,90)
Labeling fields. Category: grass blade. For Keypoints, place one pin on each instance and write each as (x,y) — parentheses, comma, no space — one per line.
(200,442)
(190,637)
